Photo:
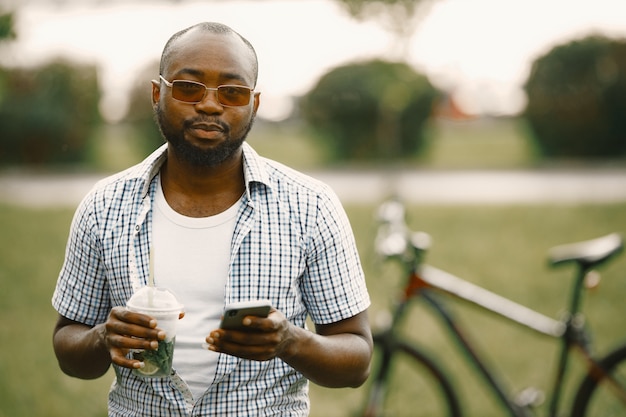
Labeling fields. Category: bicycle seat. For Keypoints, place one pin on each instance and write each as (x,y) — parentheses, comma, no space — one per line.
(588,253)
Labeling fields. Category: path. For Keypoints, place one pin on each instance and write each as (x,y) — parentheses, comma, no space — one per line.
(415,186)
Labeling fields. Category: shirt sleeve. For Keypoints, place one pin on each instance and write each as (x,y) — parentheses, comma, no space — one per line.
(81,293)
(334,283)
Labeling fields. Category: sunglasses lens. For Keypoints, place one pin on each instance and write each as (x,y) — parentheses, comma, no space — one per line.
(232,95)
(227,95)
(187,91)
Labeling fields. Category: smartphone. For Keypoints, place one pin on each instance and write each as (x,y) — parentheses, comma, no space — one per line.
(235,312)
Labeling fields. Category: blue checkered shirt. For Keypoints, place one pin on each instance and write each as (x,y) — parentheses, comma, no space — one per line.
(292,244)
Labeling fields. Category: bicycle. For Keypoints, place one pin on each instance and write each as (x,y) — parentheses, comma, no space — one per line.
(602,392)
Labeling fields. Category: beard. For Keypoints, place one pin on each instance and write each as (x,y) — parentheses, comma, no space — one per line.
(193,155)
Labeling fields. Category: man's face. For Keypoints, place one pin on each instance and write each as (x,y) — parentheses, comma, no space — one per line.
(207,133)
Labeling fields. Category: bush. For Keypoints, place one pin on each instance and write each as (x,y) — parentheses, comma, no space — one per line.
(140,113)
(577,99)
(47,114)
(370,110)
(7,23)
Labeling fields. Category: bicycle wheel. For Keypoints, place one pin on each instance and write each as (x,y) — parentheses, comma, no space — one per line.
(410,385)
(604,395)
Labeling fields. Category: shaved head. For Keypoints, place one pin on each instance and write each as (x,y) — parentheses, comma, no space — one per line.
(210,27)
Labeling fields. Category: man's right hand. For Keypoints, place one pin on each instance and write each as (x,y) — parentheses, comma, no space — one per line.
(125,330)
(86,352)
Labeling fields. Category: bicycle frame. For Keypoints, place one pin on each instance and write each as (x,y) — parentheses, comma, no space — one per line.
(395,241)
(425,281)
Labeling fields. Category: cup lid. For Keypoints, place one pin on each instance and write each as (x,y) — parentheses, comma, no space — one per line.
(154,300)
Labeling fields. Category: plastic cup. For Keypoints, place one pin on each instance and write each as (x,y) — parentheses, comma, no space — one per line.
(163,306)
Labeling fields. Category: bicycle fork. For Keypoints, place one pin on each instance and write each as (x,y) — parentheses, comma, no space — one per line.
(385,339)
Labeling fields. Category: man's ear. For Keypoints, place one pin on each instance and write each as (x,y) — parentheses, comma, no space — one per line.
(257,101)
(156,92)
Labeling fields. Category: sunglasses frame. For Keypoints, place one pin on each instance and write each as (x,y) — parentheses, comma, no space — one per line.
(170,84)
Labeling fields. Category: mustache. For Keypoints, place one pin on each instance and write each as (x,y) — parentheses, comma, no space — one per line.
(206,120)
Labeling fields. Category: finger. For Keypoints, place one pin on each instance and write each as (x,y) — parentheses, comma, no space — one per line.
(259,324)
(253,352)
(127,316)
(121,328)
(119,358)
(229,341)
(120,346)
(118,342)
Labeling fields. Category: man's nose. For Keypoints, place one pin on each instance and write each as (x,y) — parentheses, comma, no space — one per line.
(210,102)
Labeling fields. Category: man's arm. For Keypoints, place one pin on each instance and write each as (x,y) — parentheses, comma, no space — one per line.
(87,351)
(80,349)
(338,355)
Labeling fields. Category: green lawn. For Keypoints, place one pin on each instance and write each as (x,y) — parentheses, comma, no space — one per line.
(33,243)
(484,143)
(504,250)
(501,248)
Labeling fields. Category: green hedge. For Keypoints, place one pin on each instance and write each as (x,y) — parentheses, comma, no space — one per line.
(577,99)
(47,114)
(370,110)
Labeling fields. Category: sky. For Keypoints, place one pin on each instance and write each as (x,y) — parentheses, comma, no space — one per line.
(480,50)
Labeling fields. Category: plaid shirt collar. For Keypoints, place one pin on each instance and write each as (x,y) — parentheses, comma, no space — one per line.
(253,168)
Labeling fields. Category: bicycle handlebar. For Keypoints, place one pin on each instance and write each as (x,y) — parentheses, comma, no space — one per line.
(394,239)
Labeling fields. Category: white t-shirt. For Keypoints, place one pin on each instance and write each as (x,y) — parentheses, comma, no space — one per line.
(191,258)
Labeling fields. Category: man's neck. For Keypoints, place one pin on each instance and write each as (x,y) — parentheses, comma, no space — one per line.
(202,191)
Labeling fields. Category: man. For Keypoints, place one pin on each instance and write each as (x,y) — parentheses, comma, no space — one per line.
(224,225)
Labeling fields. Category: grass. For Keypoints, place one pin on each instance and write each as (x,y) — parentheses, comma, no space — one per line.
(483,143)
(501,248)
(32,245)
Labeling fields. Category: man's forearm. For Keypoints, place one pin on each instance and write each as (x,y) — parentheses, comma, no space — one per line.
(333,361)
(81,351)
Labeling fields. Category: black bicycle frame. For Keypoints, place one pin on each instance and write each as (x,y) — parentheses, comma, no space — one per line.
(429,280)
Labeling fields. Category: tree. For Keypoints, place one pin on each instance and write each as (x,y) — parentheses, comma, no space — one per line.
(6,26)
(370,110)
(47,114)
(400,17)
(140,114)
(577,99)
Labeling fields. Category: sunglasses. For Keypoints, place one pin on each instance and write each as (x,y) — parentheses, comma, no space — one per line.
(193,92)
